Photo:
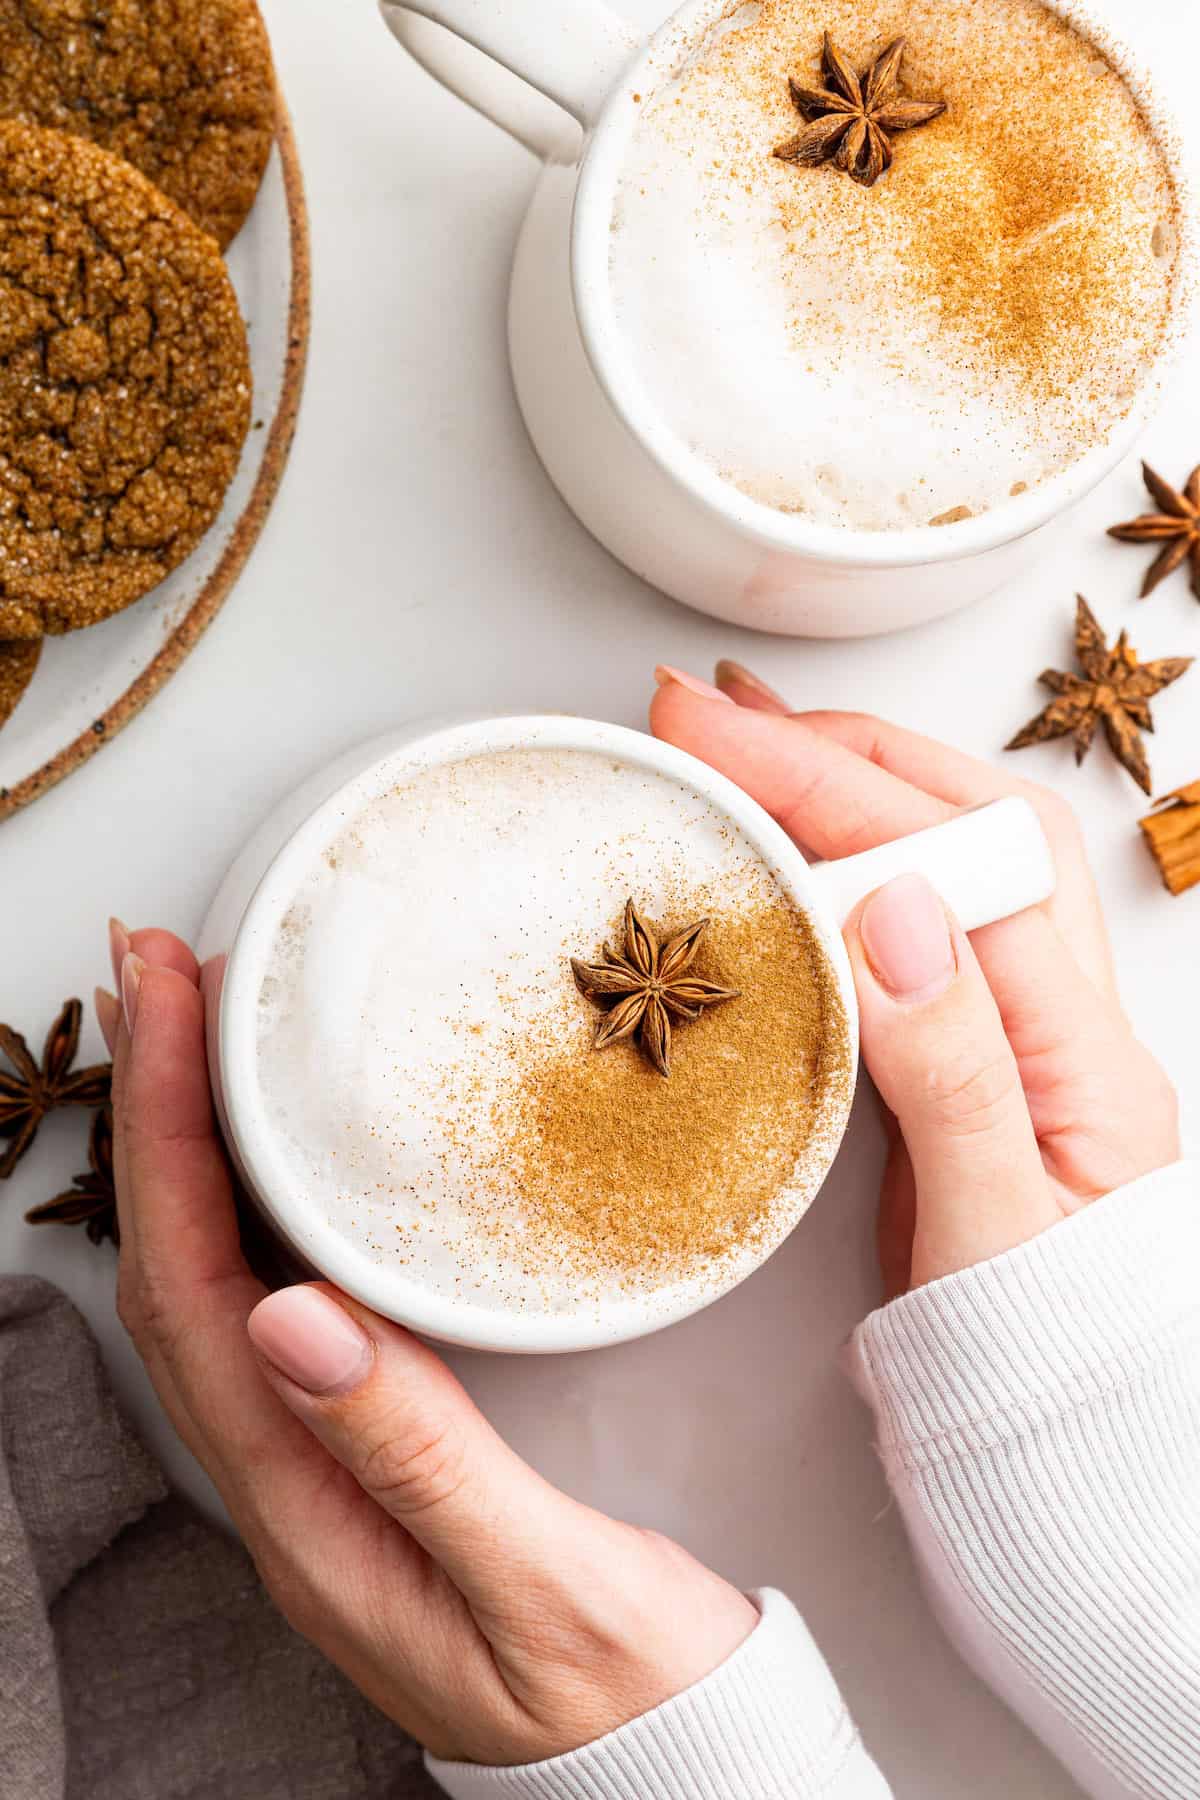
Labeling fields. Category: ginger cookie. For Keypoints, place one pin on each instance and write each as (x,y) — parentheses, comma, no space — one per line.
(17,663)
(183,89)
(125,383)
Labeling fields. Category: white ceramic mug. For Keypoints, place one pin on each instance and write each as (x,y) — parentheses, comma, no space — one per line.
(987,864)
(662,511)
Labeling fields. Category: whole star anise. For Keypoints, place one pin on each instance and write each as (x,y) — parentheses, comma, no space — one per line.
(91,1200)
(32,1091)
(1115,690)
(853,118)
(647,986)
(1176,526)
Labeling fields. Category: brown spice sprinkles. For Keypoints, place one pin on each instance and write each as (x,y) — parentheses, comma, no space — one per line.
(1013,222)
(620,1176)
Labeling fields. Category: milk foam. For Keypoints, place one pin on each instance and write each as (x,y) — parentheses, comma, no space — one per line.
(422,949)
(811,341)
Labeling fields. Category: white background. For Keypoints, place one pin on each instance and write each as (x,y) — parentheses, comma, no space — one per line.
(419,559)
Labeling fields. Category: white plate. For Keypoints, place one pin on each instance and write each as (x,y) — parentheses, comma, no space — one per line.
(89,684)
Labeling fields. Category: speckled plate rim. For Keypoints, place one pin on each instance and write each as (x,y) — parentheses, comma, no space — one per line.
(245,534)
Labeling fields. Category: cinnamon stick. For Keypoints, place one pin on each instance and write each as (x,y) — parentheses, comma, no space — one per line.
(1172,831)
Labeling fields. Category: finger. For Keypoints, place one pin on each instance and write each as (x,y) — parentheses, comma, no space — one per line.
(118,1045)
(159,948)
(935,1045)
(111,1017)
(1094,1094)
(390,1410)
(950,774)
(190,1289)
(747,689)
(152,1170)
(966,781)
(897,1220)
(189,1286)
(1050,1006)
(180,1192)
(162,949)
(108,1017)
(831,801)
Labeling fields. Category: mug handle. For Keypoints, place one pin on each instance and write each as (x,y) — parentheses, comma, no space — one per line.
(572,51)
(986,864)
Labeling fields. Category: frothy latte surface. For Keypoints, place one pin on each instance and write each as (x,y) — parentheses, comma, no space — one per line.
(921,350)
(425,1060)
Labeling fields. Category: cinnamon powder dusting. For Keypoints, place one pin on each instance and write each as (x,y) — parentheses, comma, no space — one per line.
(1019,217)
(1013,275)
(596,1167)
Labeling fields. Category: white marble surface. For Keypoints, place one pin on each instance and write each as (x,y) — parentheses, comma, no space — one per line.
(417,557)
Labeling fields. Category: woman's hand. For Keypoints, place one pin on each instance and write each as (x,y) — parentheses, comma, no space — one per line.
(1014,1087)
(492,1617)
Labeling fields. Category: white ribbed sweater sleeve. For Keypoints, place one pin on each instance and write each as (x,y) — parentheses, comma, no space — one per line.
(769,1724)
(1039,1421)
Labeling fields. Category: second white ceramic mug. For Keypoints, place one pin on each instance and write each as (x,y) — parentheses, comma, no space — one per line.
(660,510)
(987,864)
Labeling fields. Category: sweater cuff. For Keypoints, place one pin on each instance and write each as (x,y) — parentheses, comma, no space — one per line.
(967,1362)
(769,1724)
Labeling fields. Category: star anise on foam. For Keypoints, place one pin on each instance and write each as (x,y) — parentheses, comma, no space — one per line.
(852,120)
(646,986)
(32,1090)
(1176,526)
(91,1200)
(1115,691)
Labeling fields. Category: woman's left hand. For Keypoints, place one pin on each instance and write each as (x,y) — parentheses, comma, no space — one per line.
(491,1616)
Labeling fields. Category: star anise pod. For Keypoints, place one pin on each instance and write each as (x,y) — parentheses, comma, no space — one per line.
(1115,690)
(852,120)
(647,986)
(32,1091)
(1176,526)
(91,1200)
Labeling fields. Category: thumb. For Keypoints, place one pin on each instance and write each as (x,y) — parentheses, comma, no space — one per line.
(936,1048)
(391,1412)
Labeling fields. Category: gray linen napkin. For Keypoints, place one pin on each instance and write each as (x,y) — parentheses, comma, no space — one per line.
(140,1658)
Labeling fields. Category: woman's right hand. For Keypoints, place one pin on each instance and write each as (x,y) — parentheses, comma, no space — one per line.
(1014,1087)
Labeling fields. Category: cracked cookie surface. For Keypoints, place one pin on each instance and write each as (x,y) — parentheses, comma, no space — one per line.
(125,385)
(17,663)
(183,89)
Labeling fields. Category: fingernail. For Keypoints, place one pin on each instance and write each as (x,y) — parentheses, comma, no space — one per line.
(309,1338)
(132,970)
(118,946)
(906,935)
(735,674)
(108,1016)
(665,676)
